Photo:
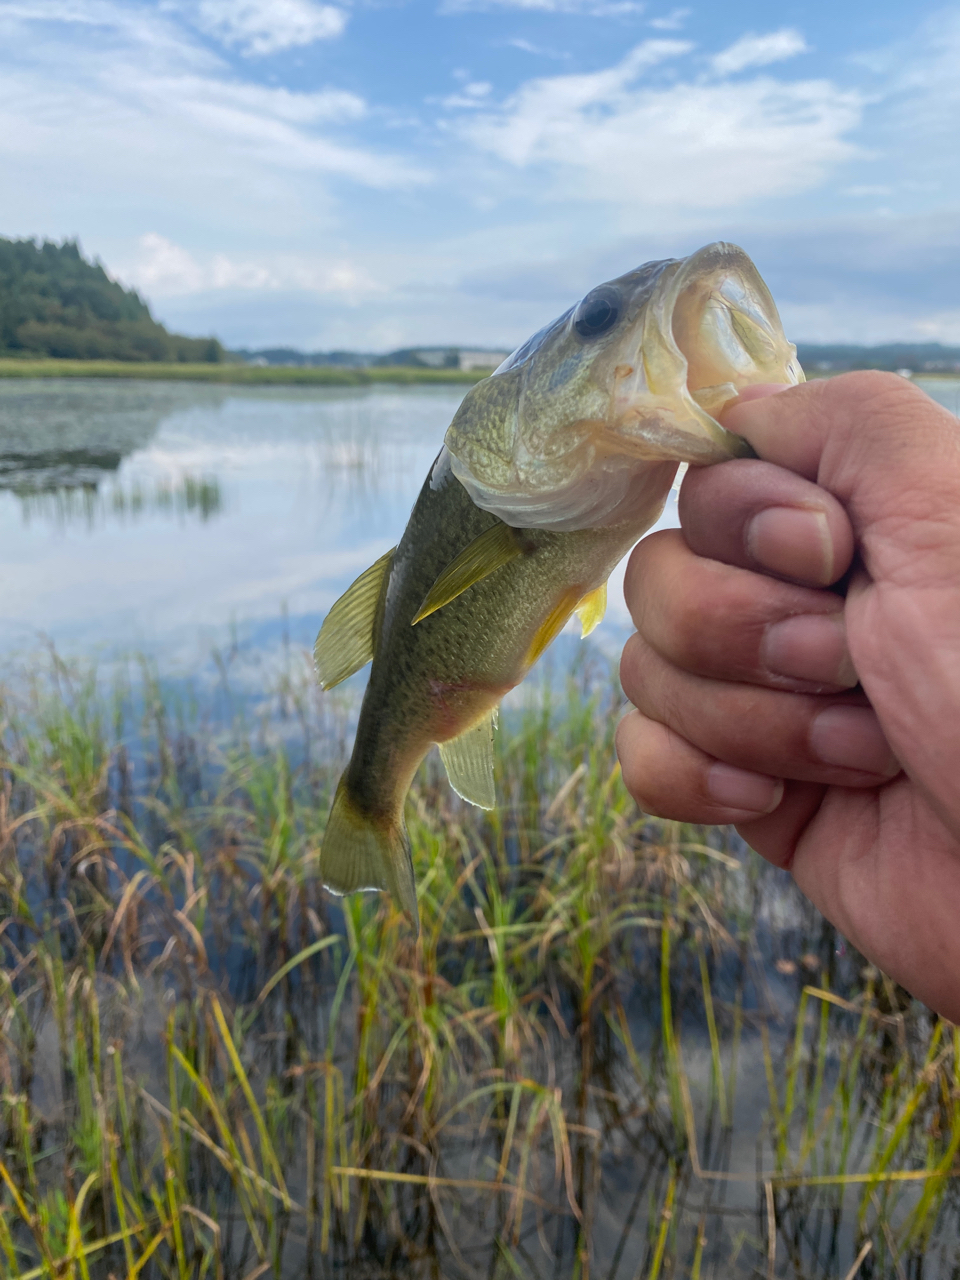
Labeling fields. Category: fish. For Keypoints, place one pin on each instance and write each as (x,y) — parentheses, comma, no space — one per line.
(551,470)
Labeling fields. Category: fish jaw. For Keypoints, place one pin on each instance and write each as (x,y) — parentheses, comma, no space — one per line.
(555,437)
(710,329)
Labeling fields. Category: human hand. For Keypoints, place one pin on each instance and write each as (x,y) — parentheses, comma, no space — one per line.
(745,667)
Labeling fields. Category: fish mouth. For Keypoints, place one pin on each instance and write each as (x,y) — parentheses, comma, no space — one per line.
(709,329)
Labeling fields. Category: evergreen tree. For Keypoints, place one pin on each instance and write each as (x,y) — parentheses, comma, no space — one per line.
(53,302)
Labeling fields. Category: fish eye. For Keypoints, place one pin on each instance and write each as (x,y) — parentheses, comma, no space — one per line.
(598,312)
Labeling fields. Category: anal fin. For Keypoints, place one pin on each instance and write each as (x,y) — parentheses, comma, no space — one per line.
(483,556)
(552,625)
(468,760)
(591,609)
(345,642)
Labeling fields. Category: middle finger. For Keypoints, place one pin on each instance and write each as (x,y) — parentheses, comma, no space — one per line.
(729,623)
(835,740)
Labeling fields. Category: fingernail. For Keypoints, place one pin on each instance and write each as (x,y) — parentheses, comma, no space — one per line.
(852,738)
(812,646)
(738,789)
(794,541)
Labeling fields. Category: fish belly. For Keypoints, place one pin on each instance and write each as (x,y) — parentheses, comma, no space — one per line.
(432,681)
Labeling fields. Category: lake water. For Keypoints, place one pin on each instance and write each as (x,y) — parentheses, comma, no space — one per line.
(175,518)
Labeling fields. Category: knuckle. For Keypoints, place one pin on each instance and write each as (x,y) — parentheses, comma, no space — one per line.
(875,396)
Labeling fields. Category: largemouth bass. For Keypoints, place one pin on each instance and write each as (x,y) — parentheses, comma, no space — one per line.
(551,470)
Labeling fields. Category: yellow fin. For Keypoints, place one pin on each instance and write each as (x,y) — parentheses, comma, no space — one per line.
(360,853)
(485,554)
(345,642)
(552,625)
(591,609)
(468,760)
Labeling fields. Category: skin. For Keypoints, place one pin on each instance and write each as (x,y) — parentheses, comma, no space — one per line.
(745,667)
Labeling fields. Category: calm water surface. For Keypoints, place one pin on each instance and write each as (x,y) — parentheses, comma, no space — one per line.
(175,518)
(179,519)
(171,518)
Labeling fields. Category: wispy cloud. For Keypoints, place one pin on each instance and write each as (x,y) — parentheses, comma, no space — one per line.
(672,21)
(588,8)
(527,46)
(164,269)
(130,94)
(609,136)
(472,95)
(759,51)
(259,27)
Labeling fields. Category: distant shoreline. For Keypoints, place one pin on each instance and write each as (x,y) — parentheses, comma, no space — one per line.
(270,375)
(288,375)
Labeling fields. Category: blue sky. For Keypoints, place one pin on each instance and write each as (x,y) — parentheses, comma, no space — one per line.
(374,173)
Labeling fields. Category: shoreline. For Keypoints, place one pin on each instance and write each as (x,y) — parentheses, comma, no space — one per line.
(263,375)
(294,375)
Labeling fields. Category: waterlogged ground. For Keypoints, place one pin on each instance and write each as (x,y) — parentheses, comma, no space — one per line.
(619,1049)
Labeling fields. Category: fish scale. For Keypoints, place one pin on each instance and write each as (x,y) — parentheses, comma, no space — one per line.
(552,469)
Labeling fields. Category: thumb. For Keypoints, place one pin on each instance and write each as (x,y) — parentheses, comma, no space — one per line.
(889,453)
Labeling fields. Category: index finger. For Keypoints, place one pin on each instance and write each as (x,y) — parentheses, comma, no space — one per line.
(847,432)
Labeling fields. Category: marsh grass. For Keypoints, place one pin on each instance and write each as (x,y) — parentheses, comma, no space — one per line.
(619,1048)
(246,374)
(188,495)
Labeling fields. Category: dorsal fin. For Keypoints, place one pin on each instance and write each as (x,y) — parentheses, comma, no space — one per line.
(591,609)
(485,554)
(345,642)
(468,760)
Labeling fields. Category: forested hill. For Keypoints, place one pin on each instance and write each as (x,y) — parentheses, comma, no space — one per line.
(53,302)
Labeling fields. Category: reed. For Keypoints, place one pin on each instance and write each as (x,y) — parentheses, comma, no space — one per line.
(619,1048)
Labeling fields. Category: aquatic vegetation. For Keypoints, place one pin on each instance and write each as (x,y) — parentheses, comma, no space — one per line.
(272,375)
(620,1048)
(188,495)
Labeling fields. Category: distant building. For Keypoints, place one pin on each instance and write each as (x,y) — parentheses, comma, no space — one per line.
(481,359)
(432,357)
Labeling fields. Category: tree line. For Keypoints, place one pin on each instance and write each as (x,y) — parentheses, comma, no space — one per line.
(53,302)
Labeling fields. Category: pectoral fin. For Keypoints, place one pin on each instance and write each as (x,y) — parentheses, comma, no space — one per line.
(468,761)
(345,642)
(591,609)
(485,554)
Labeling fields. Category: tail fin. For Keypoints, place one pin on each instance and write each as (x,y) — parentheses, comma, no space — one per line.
(359,852)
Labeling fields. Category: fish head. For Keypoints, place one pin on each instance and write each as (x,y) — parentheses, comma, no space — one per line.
(563,433)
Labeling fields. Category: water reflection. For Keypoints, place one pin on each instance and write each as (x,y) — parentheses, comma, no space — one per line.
(108,493)
(55,435)
(87,504)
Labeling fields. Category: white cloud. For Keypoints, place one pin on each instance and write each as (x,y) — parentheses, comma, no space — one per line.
(527,47)
(163,269)
(112,89)
(609,137)
(672,21)
(470,96)
(260,27)
(869,190)
(587,8)
(941,327)
(759,51)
